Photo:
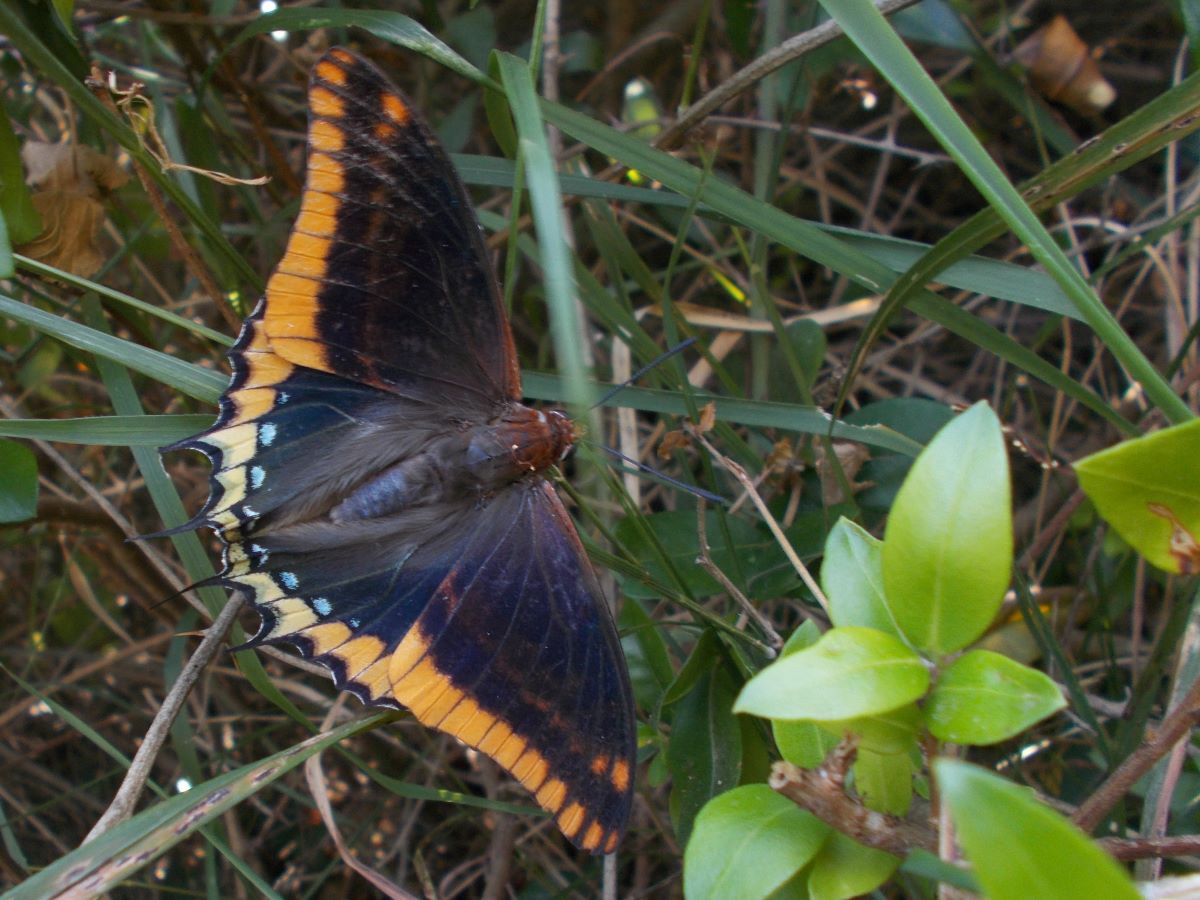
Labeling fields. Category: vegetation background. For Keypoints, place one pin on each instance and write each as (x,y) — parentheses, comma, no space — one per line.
(786,127)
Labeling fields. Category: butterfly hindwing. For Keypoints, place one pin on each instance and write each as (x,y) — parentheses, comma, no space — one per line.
(494,632)
(385,279)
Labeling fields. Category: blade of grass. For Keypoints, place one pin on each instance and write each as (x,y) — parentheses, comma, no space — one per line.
(803,238)
(109,431)
(84,284)
(874,36)
(102,864)
(545,200)
(195,381)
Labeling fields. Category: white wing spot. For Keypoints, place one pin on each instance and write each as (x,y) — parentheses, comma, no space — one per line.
(289,579)
(257,475)
(322,606)
(266,433)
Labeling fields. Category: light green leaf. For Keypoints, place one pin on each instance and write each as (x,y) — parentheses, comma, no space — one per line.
(894,731)
(1020,848)
(947,552)
(983,698)
(844,868)
(852,578)
(884,781)
(19,483)
(1148,491)
(747,844)
(804,744)
(849,672)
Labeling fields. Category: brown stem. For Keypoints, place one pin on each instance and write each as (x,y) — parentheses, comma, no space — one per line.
(1175,726)
(1146,848)
(822,791)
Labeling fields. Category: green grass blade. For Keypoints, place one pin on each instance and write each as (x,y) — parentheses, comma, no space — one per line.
(545,198)
(109,431)
(864,24)
(195,381)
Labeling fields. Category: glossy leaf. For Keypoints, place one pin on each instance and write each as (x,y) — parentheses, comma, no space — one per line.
(804,744)
(748,843)
(947,554)
(844,868)
(852,578)
(19,484)
(1147,489)
(983,697)
(1019,847)
(849,672)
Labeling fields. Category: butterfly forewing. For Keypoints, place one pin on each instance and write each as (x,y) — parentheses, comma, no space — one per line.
(382,336)
(385,280)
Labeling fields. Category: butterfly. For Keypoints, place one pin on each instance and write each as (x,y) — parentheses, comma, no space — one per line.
(379,486)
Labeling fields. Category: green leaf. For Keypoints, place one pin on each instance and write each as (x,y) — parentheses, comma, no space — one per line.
(894,731)
(748,843)
(388,26)
(16,203)
(983,698)
(947,552)
(705,750)
(804,744)
(852,578)
(19,486)
(844,868)
(884,781)
(1019,847)
(849,672)
(752,551)
(1147,490)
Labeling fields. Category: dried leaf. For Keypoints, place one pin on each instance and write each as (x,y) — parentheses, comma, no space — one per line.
(672,441)
(1062,67)
(69,181)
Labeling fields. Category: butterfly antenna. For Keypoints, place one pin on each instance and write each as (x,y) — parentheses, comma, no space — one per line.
(674,482)
(657,361)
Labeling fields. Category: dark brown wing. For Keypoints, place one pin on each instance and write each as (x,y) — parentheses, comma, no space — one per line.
(386,280)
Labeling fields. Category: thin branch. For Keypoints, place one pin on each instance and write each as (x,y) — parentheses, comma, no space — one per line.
(822,791)
(1176,724)
(771,61)
(126,797)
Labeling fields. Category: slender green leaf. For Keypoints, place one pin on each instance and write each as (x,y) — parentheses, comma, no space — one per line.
(105,862)
(19,483)
(866,26)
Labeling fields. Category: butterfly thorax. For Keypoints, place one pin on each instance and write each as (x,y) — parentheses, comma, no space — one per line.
(468,463)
